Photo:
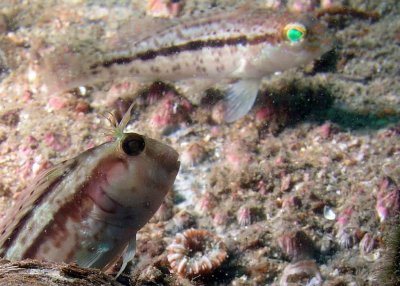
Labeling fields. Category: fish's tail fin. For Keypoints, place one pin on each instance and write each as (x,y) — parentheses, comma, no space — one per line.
(66,67)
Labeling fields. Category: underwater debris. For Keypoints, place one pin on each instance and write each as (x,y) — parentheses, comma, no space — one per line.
(196,252)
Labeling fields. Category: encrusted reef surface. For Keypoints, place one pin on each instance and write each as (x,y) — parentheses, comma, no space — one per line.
(301,191)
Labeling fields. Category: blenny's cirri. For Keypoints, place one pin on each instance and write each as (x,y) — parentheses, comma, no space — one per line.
(238,48)
(88,209)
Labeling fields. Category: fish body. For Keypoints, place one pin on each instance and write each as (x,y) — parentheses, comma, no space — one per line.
(241,46)
(88,209)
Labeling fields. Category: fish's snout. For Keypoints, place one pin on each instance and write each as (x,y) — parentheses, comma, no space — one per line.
(170,160)
(320,38)
(165,156)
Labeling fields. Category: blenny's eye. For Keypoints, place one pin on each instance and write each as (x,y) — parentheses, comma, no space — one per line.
(294,32)
(133,144)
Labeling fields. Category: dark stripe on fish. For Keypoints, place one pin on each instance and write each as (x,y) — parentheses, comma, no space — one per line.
(26,217)
(56,228)
(78,209)
(189,46)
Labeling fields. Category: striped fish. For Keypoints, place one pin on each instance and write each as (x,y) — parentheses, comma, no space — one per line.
(87,210)
(239,47)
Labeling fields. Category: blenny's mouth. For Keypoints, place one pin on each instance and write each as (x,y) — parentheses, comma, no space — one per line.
(170,161)
(319,39)
(178,165)
(164,155)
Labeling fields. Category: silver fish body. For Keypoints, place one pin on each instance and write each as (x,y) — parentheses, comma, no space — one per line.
(241,46)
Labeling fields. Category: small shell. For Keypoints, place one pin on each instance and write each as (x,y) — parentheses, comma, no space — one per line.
(329,214)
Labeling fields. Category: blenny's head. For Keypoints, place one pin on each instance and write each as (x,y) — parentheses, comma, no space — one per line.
(138,171)
(140,175)
(150,163)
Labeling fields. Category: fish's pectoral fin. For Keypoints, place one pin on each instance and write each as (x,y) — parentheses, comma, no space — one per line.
(94,259)
(128,255)
(240,98)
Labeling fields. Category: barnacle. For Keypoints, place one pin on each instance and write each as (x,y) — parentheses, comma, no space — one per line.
(196,252)
(301,273)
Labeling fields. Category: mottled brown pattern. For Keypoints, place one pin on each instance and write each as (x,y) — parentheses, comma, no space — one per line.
(18,226)
(77,209)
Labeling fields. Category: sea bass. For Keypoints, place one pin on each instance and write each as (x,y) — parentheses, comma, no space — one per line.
(87,210)
(241,47)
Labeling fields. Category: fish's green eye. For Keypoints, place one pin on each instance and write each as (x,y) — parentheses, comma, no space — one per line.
(295,32)
(133,144)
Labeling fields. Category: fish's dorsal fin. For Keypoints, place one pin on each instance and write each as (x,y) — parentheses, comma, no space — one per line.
(139,29)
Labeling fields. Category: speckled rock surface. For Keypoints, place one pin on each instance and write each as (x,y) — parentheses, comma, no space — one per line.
(315,162)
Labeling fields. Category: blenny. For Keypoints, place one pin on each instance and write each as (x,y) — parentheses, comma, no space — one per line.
(237,48)
(87,210)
